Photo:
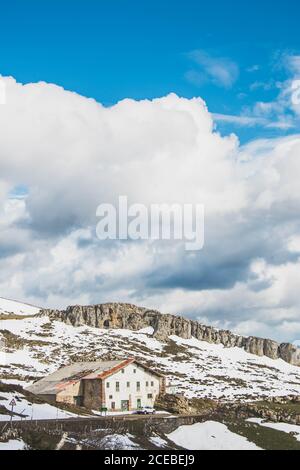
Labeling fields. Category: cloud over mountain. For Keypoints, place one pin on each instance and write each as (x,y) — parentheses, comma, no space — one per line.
(70,153)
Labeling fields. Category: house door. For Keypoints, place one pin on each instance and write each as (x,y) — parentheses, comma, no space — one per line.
(139,403)
(124,405)
(78,401)
(113,405)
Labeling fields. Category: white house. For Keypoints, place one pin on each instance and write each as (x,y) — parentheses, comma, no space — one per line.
(115,385)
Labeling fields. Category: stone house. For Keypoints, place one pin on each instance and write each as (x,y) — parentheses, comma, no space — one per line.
(119,385)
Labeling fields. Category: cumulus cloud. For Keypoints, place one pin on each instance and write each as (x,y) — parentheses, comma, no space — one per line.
(70,153)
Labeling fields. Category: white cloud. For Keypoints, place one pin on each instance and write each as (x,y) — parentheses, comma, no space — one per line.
(220,70)
(284,110)
(292,63)
(72,154)
(283,122)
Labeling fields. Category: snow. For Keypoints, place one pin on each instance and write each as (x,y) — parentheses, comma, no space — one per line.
(17,308)
(149,330)
(118,442)
(158,441)
(22,383)
(31,410)
(13,444)
(217,365)
(22,357)
(209,436)
(285,427)
(140,336)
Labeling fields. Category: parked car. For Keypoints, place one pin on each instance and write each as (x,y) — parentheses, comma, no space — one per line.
(146,410)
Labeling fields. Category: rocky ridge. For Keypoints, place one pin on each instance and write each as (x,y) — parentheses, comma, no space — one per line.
(131,317)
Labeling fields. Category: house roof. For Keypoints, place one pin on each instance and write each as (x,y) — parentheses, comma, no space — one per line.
(68,375)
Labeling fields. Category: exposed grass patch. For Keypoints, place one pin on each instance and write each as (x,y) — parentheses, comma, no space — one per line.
(40,440)
(203,405)
(23,378)
(14,316)
(235,382)
(265,438)
(289,408)
(17,342)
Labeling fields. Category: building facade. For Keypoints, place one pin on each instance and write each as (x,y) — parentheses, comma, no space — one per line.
(113,385)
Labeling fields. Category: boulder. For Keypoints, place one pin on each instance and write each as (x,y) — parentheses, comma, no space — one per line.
(175,404)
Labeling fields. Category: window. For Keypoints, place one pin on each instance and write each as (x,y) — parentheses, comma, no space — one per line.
(138,386)
(134,371)
(117,386)
(122,371)
(147,384)
(110,397)
(107,384)
(152,384)
(149,395)
(128,384)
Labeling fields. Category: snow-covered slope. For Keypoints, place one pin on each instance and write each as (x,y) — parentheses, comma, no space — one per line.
(37,346)
(16,308)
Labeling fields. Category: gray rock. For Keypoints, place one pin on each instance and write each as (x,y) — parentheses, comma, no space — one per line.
(131,317)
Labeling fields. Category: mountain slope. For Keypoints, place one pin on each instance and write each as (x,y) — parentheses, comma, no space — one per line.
(12,307)
(128,316)
(38,345)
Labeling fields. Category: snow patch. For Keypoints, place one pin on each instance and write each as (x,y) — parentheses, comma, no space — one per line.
(118,442)
(209,436)
(17,308)
(13,444)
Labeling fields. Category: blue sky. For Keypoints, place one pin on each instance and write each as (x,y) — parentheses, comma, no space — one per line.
(113,49)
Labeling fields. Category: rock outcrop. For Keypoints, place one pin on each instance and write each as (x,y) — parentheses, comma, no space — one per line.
(131,317)
(277,409)
(174,404)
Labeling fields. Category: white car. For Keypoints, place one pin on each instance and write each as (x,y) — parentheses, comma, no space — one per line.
(146,410)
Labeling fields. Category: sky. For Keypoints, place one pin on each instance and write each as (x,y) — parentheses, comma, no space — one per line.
(230,53)
(164,102)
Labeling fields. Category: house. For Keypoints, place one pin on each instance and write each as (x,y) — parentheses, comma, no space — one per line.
(119,385)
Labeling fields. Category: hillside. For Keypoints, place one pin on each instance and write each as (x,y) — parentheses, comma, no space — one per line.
(34,343)
(11,307)
(131,317)
(39,344)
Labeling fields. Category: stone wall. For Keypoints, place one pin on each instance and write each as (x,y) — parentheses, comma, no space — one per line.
(92,394)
